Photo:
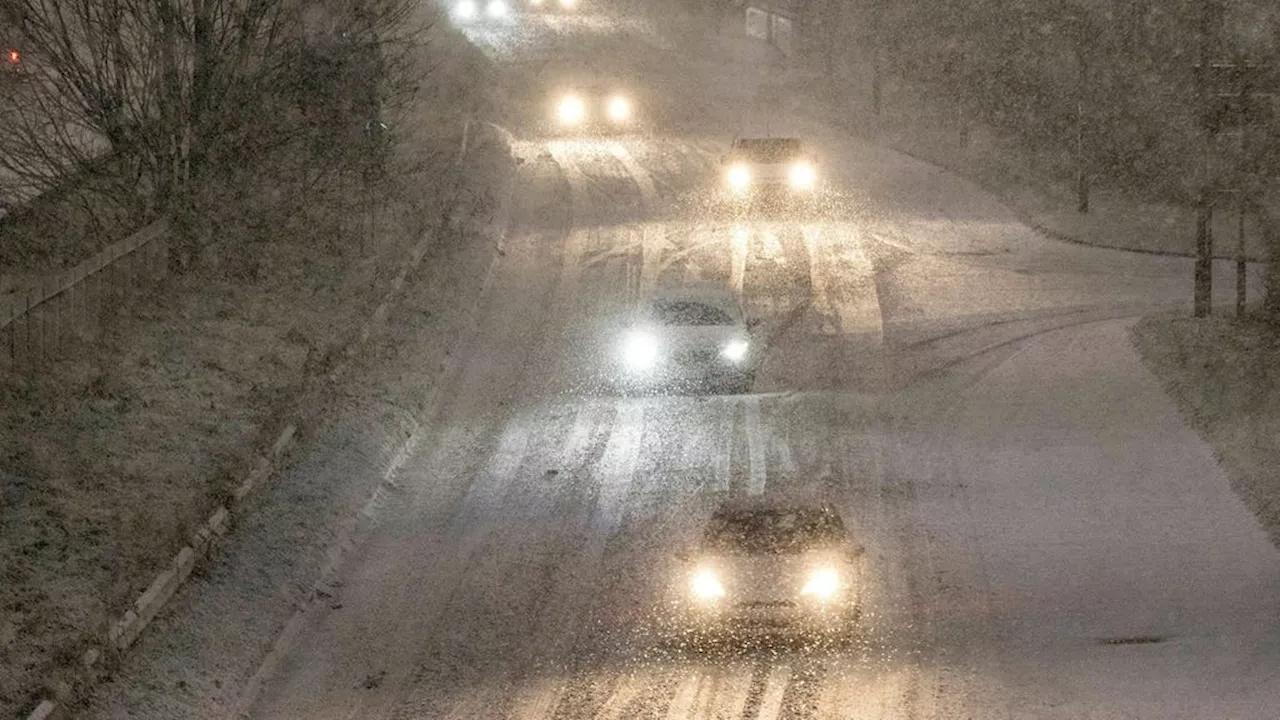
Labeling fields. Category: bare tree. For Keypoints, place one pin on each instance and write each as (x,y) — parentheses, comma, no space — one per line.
(180,92)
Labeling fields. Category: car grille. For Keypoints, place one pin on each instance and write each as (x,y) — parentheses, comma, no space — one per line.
(766,604)
(696,357)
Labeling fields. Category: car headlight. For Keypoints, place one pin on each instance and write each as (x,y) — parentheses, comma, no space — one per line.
(739,177)
(465,10)
(802,176)
(705,586)
(571,110)
(496,9)
(619,109)
(640,350)
(735,350)
(822,584)
(568,4)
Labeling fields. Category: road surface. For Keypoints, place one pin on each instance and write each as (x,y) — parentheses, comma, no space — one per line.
(1045,538)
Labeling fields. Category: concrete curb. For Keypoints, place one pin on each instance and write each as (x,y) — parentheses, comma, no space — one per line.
(124,632)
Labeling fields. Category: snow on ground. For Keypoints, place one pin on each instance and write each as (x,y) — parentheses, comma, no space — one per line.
(1223,375)
(115,450)
(1045,537)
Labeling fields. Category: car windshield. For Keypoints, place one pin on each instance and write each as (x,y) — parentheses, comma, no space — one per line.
(688,312)
(768,532)
(768,150)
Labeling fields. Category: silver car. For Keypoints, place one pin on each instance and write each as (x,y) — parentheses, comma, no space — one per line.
(688,340)
(771,567)
(760,167)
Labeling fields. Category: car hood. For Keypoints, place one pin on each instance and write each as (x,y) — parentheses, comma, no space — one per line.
(682,337)
(773,577)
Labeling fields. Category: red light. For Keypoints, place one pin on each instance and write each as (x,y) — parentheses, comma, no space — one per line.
(15,56)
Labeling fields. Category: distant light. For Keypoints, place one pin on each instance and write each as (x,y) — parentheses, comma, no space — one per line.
(14,56)
(465,10)
(568,4)
(619,108)
(496,9)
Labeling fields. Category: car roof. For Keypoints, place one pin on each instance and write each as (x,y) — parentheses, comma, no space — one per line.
(717,295)
(771,145)
(764,504)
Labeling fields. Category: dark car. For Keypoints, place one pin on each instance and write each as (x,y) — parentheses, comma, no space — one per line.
(770,567)
(770,167)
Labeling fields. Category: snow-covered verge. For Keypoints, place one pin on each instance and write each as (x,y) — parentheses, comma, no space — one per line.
(113,454)
(1035,182)
(1223,375)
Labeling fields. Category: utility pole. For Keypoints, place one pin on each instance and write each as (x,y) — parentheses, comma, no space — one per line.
(1082,87)
(1232,91)
(1211,16)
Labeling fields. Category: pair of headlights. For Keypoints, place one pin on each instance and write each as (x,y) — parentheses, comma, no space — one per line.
(572,110)
(640,350)
(822,584)
(469,9)
(800,176)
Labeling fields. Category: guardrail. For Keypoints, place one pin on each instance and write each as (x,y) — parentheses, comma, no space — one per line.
(38,323)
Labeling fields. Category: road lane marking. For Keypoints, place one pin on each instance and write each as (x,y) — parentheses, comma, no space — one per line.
(653,241)
(739,239)
(618,465)
(843,279)
(756,457)
(625,691)
(653,245)
(820,292)
(563,155)
(775,689)
(681,707)
(722,462)
(729,695)
(638,174)
(541,703)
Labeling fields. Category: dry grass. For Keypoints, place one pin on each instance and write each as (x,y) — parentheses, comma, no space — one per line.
(109,458)
(1225,376)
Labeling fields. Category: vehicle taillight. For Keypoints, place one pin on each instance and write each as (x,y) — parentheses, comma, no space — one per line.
(14,56)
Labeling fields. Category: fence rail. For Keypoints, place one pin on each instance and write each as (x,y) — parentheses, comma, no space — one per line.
(38,323)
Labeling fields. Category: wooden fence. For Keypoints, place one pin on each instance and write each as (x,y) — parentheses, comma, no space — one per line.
(37,325)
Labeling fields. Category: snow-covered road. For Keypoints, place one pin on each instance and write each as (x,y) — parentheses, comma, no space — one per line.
(1045,538)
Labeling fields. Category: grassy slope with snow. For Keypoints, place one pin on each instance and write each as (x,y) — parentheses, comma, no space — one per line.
(111,456)
(1224,377)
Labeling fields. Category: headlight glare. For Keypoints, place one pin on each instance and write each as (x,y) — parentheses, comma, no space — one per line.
(802,176)
(496,9)
(822,584)
(465,10)
(739,177)
(706,586)
(640,350)
(619,108)
(735,350)
(571,110)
